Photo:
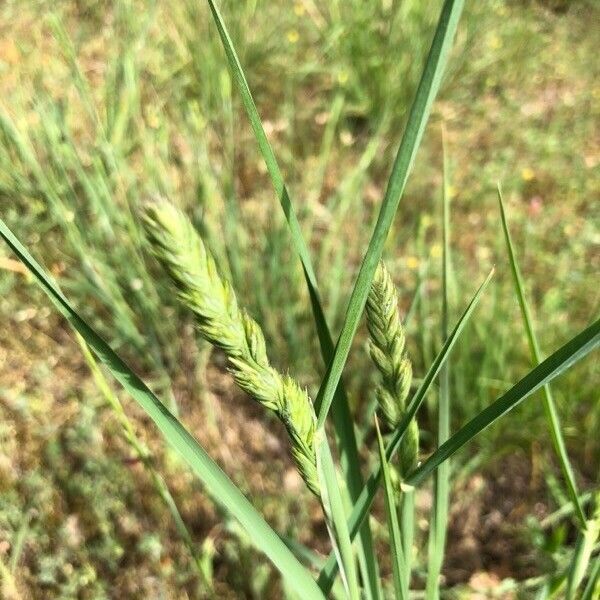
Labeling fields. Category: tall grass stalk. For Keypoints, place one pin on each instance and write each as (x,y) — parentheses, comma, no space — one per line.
(584,549)
(415,127)
(367,495)
(399,567)
(441,487)
(221,321)
(418,117)
(342,418)
(536,357)
(387,347)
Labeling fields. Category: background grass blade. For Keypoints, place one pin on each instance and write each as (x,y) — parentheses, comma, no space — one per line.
(584,548)
(264,145)
(139,448)
(361,507)
(536,357)
(566,356)
(439,514)
(397,557)
(216,481)
(342,418)
(592,587)
(419,115)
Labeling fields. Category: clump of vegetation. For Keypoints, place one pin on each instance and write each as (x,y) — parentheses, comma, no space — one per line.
(96,155)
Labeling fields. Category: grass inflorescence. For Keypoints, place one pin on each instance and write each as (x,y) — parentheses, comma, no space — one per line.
(387,347)
(220,320)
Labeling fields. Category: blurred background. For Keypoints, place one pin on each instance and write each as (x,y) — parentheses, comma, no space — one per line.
(104,104)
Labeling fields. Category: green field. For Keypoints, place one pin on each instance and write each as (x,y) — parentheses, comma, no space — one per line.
(106,106)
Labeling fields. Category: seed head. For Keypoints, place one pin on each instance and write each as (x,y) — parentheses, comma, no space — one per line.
(387,343)
(219,319)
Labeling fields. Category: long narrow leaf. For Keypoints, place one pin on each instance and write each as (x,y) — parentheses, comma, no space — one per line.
(415,127)
(336,516)
(216,481)
(586,541)
(573,351)
(342,417)
(398,562)
(592,588)
(536,356)
(439,513)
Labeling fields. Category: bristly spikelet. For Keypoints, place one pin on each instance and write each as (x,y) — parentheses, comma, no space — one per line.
(387,349)
(179,248)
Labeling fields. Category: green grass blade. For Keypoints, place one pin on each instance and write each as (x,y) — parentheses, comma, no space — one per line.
(536,356)
(592,588)
(263,144)
(584,548)
(407,530)
(362,505)
(333,508)
(439,518)
(580,561)
(398,564)
(215,480)
(419,115)
(566,356)
(342,418)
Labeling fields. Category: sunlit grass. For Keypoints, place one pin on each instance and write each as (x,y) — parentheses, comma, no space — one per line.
(126,108)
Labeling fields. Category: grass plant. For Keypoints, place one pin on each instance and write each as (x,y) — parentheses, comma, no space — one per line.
(164,124)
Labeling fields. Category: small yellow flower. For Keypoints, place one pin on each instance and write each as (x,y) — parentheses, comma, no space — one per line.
(9,52)
(152,119)
(412,262)
(342,77)
(483,253)
(425,221)
(452,191)
(435,251)
(299,9)
(527,174)
(293,36)
(495,42)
